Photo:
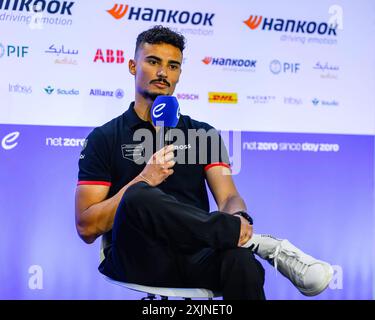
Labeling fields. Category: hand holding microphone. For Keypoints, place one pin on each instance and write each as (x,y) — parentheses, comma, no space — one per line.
(165,113)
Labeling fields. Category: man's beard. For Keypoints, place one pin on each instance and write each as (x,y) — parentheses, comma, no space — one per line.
(150,95)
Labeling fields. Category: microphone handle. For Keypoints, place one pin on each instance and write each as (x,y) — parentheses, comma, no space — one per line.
(168,137)
(165,137)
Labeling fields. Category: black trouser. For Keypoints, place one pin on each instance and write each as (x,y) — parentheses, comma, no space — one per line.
(159,241)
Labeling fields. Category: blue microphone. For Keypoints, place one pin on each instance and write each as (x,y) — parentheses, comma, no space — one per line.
(165,113)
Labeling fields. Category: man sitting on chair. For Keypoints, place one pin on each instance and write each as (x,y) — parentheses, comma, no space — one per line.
(155,216)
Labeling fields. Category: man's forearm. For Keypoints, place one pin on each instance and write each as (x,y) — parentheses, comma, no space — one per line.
(233,204)
(100,216)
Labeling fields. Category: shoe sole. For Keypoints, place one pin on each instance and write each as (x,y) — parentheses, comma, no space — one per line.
(324,285)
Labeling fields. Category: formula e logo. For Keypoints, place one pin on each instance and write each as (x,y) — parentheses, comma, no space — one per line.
(8,141)
(132,152)
(158,110)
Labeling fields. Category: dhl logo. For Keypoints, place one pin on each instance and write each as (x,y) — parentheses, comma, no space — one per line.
(253,22)
(222,97)
(118,11)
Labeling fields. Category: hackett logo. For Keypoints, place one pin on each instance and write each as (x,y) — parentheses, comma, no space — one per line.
(119,11)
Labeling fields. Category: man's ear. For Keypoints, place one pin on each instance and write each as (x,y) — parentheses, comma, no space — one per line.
(132,68)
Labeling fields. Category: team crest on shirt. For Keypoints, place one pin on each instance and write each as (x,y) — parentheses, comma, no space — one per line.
(133,152)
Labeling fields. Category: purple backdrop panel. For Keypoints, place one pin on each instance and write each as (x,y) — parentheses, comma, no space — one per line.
(321,201)
(317,191)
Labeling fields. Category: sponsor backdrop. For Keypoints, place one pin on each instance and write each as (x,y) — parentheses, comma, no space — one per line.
(296,78)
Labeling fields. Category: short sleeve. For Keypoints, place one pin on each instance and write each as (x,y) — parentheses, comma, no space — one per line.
(94,162)
(217,153)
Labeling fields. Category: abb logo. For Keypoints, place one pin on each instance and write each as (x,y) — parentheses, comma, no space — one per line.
(109,56)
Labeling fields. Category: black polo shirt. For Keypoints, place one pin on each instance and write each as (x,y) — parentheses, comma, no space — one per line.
(110,157)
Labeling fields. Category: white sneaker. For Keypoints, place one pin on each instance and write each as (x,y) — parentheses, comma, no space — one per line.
(309,275)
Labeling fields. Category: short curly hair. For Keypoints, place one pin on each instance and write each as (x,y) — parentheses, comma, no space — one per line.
(160,34)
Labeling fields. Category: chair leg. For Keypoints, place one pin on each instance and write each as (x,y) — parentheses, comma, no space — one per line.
(150,296)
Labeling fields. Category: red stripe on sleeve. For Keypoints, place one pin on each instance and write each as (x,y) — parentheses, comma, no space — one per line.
(223,164)
(101,183)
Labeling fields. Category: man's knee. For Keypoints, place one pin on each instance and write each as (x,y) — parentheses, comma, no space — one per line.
(243,262)
(136,194)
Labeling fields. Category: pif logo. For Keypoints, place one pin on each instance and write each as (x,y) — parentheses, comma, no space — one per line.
(13,51)
(109,56)
(222,97)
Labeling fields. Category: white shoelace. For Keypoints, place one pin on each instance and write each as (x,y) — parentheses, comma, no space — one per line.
(296,267)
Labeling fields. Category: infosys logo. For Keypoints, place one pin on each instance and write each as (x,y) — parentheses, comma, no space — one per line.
(255,22)
(245,63)
(9,141)
(51,7)
(124,11)
(222,97)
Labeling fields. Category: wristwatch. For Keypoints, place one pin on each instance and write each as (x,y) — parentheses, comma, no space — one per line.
(246,216)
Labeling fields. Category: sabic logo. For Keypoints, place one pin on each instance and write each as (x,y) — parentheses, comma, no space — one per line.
(222,97)
(8,142)
(118,11)
(109,56)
